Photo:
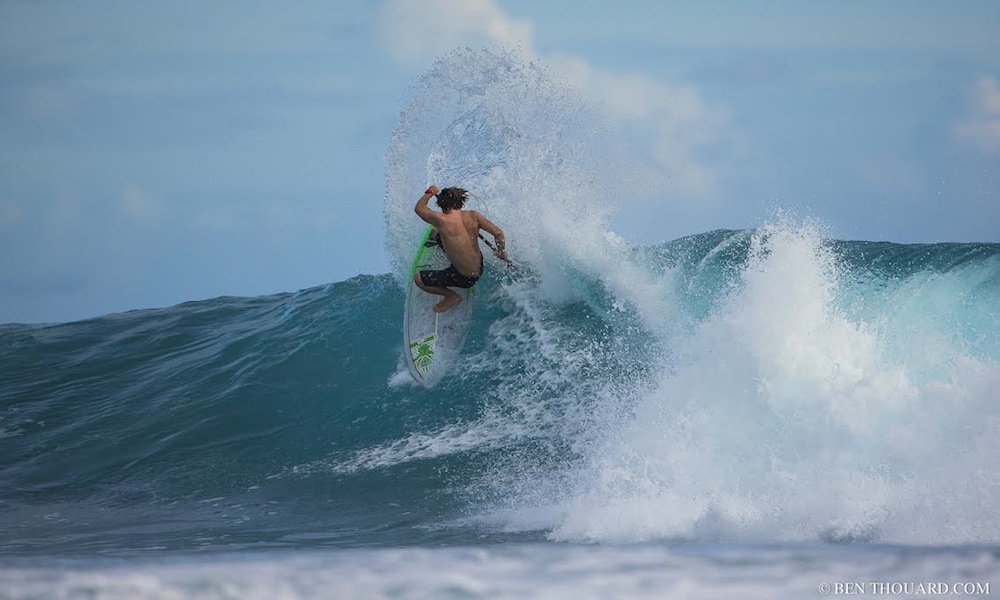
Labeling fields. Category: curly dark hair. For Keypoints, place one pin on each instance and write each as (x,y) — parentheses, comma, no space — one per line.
(452,197)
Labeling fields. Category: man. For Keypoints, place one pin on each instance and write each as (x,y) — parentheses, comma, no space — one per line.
(457,231)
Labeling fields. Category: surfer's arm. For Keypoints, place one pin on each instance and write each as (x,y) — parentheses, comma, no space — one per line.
(496,232)
(425,212)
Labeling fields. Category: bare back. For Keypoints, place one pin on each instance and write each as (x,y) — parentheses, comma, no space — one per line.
(459,230)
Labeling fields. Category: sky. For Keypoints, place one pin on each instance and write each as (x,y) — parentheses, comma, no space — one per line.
(153,153)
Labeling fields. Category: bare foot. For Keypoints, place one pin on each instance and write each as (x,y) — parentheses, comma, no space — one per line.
(447,303)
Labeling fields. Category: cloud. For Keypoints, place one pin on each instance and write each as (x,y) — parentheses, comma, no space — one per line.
(416,31)
(676,125)
(680,124)
(981,127)
(138,206)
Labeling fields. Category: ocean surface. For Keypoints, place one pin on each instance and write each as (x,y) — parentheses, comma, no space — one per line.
(760,413)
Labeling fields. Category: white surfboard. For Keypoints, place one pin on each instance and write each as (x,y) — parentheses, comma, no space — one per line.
(433,340)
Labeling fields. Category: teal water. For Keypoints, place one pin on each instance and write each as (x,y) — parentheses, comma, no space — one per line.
(290,421)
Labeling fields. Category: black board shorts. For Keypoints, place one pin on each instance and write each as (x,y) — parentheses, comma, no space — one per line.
(449,277)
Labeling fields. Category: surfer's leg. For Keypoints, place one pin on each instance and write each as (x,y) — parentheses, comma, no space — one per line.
(450,297)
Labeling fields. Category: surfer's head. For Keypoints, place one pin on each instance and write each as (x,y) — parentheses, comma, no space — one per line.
(452,197)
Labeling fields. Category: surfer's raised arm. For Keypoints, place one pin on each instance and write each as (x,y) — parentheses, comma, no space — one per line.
(425,212)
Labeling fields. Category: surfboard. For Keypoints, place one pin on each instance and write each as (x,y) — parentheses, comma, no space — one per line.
(433,340)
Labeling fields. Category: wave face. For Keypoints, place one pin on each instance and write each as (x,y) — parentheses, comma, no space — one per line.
(769,384)
(797,388)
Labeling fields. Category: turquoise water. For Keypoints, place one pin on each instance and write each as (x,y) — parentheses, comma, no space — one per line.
(289,421)
(280,438)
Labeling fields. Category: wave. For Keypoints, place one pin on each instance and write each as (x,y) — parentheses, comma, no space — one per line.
(766,384)
(844,390)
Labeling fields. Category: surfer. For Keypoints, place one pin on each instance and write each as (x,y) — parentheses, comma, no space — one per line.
(457,231)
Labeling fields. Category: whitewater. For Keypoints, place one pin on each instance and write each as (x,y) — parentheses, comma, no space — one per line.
(755,413)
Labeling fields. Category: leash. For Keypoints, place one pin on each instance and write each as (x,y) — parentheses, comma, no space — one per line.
(493,248)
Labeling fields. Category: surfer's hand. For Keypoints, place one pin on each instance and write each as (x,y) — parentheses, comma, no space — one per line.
(501,254)
(433,190)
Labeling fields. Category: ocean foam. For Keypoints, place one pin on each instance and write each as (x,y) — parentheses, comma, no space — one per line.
(792,395)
